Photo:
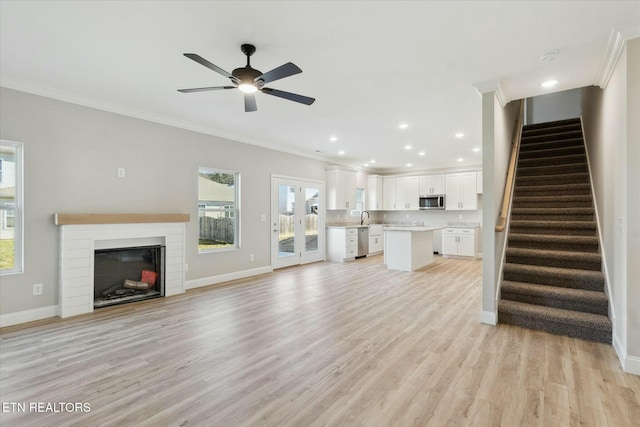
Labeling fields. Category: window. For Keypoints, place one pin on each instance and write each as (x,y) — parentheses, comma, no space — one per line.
(11,207)
(359,203)
(218,209)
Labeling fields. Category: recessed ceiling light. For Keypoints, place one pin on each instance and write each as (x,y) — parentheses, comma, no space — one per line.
(422,153)
(403,125)
(372,161)
(549,83)
(366,165)
(461,159)
(333,138)
(409,165)
(341,152)
(459,135)
(408,147)
(476,150)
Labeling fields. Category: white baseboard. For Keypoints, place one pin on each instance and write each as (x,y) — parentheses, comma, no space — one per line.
(630,364)
(489,318)
(25,316)
(212,280)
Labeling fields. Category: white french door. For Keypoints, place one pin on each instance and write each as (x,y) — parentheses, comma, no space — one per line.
(297,221)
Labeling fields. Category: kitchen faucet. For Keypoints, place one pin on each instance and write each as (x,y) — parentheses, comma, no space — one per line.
(362,216)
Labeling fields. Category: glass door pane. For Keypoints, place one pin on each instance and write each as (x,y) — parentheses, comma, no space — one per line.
(311,219)
(286,221)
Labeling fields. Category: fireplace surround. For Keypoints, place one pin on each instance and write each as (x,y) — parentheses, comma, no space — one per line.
(82,234)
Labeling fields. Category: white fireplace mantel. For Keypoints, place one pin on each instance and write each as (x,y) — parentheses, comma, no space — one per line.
(78,242)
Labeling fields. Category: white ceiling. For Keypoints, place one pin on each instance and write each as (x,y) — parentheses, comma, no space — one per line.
(369,64)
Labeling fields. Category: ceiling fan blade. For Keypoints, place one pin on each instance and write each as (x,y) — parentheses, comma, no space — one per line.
(202,89)
(250,102)
(288,95)
(202,61)
(286,70)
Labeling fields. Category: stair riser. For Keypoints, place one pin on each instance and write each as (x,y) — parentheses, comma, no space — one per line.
(553,204)
(553,231)
(552,152)
(551,145)
(547,301)
(553,180)
(577,264)
(552,170)
(534,191)
(553,246)
(527,139)
(552,217)
(527,132)
(551,160)
(574,282)
(584,333)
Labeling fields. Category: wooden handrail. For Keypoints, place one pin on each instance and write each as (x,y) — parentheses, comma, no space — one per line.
(515,146)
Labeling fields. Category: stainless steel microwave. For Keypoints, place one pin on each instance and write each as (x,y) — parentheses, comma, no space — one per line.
(432,202)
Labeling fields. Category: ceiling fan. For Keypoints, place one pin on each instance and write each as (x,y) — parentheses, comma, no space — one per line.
(249,80)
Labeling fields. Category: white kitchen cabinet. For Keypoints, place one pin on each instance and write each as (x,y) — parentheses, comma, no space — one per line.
(461,191)
(341,188)
(374,192)
(375,239)
(342,244)
(407,194)
(388,194)
(431,184)
(479,182)
(459,241)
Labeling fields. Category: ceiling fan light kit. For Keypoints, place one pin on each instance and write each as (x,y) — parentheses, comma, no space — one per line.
(249,80)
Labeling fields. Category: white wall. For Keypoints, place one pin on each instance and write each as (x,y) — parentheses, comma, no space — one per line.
(610,118)
(71,156)
(497,128)
(553,106)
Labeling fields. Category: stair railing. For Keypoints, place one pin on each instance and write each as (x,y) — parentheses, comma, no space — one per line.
(511,173)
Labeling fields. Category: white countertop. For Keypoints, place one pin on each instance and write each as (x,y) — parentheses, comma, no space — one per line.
(410,228)
(351,226)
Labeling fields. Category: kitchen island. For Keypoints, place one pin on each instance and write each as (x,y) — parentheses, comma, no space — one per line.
(408,248)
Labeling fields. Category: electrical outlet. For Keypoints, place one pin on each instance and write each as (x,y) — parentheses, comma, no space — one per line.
(251,258)
(37,289)
(186,267)
(121,173)
(263,217)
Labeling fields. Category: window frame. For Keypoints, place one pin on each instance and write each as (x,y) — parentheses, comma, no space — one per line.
(224,209)
(17,208)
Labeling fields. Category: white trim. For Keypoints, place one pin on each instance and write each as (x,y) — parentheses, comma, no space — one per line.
(212,280)
(25,316)
(617,38)
(495,86)
(489,318)
(630,364)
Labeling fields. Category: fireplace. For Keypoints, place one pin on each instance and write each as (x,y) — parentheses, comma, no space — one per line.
(123,275)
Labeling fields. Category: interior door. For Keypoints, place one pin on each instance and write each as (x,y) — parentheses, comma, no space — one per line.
(297,220)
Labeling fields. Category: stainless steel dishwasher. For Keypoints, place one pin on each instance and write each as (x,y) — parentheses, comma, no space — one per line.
(363,241)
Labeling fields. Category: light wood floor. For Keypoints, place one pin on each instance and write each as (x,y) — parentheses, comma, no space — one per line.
(325,344)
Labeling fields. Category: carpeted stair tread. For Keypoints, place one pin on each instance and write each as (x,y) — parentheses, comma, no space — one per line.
(555,201)
(555,296)
(527,139)
(560,212)
(559,321)
(551,125)
(558,179)
(556,190)
(554,258)
(568,127)
(552,160)
(550,151)
(553,225)
(535,147)
(554,276)
(554,242)
(552,169)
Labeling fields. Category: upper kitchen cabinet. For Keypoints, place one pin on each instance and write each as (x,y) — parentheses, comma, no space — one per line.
(479,182)
(407,197)
(461,191)
(374,192)
(388,193)
(431,184)
(341,188)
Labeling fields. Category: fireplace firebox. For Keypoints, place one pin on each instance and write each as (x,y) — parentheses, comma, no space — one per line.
(123,275)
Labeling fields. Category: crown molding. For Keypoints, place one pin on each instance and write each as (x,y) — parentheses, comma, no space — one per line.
(495,86)
(612,53)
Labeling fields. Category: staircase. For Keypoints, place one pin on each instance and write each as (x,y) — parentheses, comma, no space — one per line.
(552,279)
